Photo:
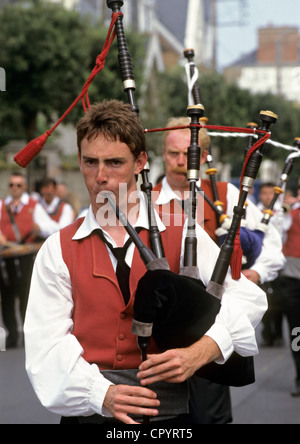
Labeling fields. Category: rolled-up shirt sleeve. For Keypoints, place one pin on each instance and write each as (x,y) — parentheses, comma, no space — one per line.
(64,382)
(242,308)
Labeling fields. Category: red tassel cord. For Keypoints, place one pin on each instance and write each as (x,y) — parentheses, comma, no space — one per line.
(27,154)
(237,257)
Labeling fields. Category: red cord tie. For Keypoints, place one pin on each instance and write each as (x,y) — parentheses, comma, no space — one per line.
(27,154)
(237,256)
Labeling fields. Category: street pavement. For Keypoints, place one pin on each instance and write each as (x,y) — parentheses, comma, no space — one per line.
(268,401)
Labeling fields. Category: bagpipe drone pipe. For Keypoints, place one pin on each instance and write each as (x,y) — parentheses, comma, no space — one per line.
(251,240)
(279,189)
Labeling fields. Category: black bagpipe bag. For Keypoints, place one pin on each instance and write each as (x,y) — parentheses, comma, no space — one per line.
(182,311)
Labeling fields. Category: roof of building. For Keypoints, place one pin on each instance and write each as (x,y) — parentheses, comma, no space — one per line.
(173,15)
(249,59)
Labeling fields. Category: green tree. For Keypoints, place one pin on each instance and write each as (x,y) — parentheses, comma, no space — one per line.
(43,51)
(48,52)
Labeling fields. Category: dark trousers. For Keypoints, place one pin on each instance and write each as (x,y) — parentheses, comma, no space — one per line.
(15,277)
(291,297)
(273,319)
(210,403)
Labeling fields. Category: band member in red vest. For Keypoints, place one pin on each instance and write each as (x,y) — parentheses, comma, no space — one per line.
(215,406)
(81,357)
(59,210)
(175,183)
(22,221)
(290,287)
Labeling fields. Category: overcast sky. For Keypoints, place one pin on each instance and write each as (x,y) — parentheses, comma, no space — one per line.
(234,41)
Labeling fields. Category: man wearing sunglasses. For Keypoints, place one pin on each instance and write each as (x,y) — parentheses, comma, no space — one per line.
(23,221)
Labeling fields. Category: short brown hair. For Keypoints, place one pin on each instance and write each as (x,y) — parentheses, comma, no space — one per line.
(116,121)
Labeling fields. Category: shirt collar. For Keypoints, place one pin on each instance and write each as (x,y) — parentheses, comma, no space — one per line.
(90,223)
(23,201)
(167,194)
(51,206)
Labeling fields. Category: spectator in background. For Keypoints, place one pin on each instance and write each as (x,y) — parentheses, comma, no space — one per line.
(59,210)
(272,322)
(70,197)
(22,221)
(266,194)
(62,191)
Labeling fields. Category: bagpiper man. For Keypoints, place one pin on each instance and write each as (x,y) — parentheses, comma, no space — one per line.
(78,322)
(175,183)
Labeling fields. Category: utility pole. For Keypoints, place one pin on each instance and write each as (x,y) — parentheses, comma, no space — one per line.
(214,18)
(235,14)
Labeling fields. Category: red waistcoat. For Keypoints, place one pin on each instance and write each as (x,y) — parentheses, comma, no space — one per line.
(24,221)
(102,323)
(206,216)
(292,245)
(58,211)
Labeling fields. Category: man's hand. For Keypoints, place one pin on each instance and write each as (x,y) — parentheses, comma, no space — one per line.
(3,239)
(252,276)
(122,400)
(178,365)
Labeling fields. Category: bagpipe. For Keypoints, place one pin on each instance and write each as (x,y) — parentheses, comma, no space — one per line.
(251,239)
(176,310)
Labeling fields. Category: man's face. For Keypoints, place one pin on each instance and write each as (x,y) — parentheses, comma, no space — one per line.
(17,186)
(48,193)
(266,195)
(175,157)
(106,164)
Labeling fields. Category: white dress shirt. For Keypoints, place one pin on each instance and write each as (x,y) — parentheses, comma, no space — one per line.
(271,260)
(67,215)
(40,217)
(68,385)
